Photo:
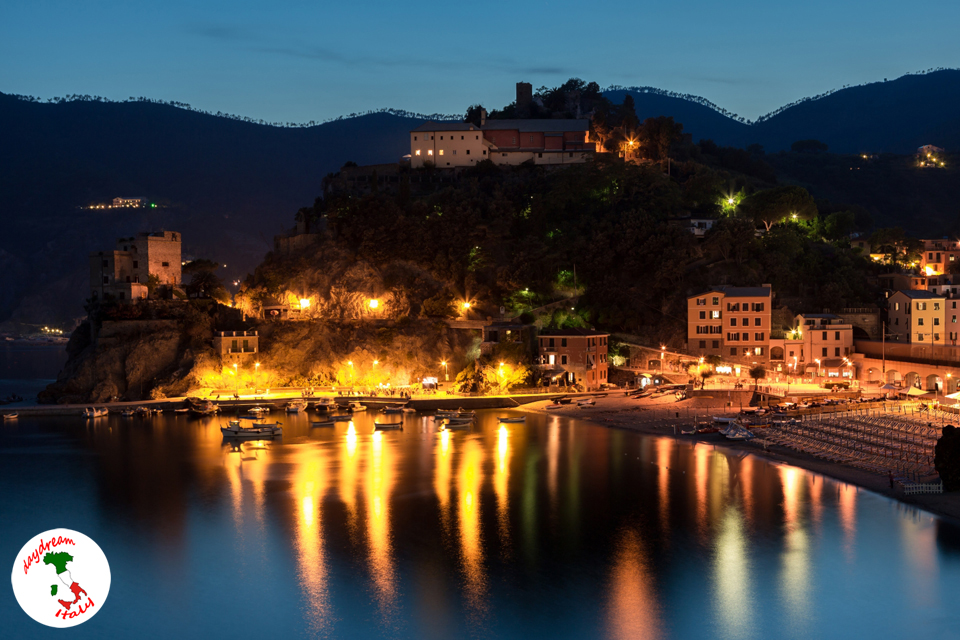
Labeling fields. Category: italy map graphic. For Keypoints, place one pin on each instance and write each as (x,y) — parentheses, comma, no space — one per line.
(59,561)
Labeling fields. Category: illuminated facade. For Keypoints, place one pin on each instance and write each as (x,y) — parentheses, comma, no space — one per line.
(920,317)
(579,355)
(938,256)
(731,322)
(123,273)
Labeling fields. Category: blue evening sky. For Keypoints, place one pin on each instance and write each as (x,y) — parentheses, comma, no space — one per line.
(301,61)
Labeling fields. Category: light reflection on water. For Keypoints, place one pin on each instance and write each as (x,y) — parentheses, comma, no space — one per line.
(506,530)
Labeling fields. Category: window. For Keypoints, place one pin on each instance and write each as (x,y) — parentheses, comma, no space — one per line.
(936,337)
(733,322)
(551,342)
(836,351)
(715,315)
(758,306)
(563,359)
(919,337)
(703,315)
(791,354)
(246,345)
(441,150)
(233,345)
(758,351)
(164,264)
(824,352)
(758,337)
(703,344)
(461,137)
(733,351)
(468,152)
(105,264)
(936,322)
(563,342)
(701,302)
(429,152)
(896,306)
(136,264)
(756,322)
(936,306)
(454,152)
(919,322)
(106,279)
(746,322)
(716,344)
(716,301)
(836,335)
(414,137)
(824,335)
(417,152)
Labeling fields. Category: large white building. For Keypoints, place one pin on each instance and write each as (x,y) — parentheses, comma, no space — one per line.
(449,145)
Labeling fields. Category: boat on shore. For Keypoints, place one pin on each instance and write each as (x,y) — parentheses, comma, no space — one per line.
(724,420)
(256,430)
(200,407)
(94,412)
(563,400)
(589,402)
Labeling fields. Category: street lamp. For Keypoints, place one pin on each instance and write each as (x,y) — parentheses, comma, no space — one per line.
(237,376)
(817,360)
(373,303)
(446,373)
(256,375)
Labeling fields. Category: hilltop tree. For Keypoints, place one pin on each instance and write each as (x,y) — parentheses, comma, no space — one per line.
(781,204)
(473,114)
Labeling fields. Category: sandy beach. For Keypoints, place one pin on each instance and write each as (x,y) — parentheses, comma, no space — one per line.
(665,416)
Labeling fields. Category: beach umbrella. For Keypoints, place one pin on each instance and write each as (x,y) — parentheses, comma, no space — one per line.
(890,387)
(953,396)
(913,391)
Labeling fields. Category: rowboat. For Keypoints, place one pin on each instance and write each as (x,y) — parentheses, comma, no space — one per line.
(94,412)
(408,410)
(589,402)
(143,411)
(457,424)
(514,419)
(324,423)
(325,405)
(341,418)
(11,416)
(182,410)
(724,420)
(257,430)
(356,406)
(392,408)
(258,410)
(383,426)
(128,413)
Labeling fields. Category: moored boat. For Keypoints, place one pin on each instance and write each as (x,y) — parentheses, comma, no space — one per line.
(258,410)
(513,419)
(94,412)
(382,426)
(13,415)
(256,430)
(296,406)
(323,423)
(356,406)
(589,402)
(341,418)
(128,413)
(392,408)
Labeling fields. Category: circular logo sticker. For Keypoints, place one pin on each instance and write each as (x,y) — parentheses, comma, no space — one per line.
(61,578)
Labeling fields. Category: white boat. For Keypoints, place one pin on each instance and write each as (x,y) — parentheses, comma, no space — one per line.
(256,430)
(724,420)
(382,426)
(94,412)
(356,406)
(296,406)
(182,410)
(408,410)
(128,413)
(258,410)
(11,416)
(514,419)
(586,403)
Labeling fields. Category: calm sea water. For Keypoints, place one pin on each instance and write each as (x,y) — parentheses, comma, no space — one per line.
(27,368)
(552,528)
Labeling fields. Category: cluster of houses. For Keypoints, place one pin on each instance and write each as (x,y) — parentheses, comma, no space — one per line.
(124,272)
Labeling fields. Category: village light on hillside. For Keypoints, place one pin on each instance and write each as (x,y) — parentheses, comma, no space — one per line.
(373,303)
(304,303)
(465,305)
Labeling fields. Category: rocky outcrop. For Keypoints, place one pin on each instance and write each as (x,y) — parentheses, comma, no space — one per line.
(947,458)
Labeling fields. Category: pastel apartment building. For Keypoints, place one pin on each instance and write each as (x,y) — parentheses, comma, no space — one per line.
(938,256)
(123,273)
(577,355)
(731,322)
(919,317)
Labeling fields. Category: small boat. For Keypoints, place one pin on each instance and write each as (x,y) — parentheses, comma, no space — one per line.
(11,416)
(324,423)
(203,408)
(128,413)
(326,404)
(256,430)
(562,400)
(408,410)
(392,408)
(296,406)
(94,412)
(514,419)
(445,414)
(457,424)
(356,406)
(383,426)
(258,410)
(182,410)
(341,418)
(589,402)
(688,433)
(724,420)
(143,411)
(461,413)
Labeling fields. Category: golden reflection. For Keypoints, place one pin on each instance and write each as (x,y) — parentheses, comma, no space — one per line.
(663,448)
(816,501)
(733,599)
(348,479)
(441,478)
(469,479)
(719,485)
(848,517)
(310,483)
(633,611)
(795,572)
(553,454)
(501,487)
(745,473)
(377,488)
(701,457)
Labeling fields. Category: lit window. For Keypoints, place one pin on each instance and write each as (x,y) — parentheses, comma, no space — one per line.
(429,152)
(418,152)
(441,150)
(715,315)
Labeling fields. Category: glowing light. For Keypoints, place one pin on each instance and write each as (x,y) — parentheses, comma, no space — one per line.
(729,200)
(373,303)
(304,303)
(465,305)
